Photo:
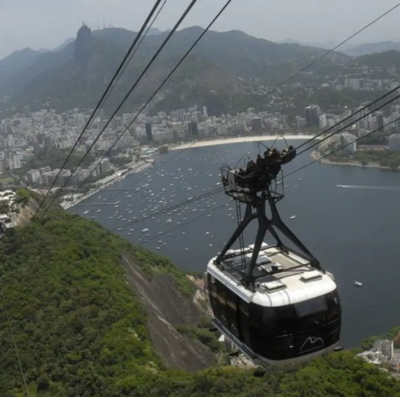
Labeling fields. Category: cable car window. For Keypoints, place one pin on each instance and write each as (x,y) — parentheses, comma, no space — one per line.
(311,306)
(231,311)
(212,288)
(279,321)
(334,311)
(244,322)
(221,298)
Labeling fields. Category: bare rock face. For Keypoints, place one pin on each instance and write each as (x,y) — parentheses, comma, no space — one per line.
(166,308)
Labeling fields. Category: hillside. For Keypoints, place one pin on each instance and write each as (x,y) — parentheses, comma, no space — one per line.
(58,79)
(383,60)
(16,63)
(94,316)
(371,48)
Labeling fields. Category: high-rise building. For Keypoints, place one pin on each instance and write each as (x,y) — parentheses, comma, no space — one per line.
(45,169)
(349,142)
(322,121)
(14,161)
(193,128)
(222,129)
(174,116)
(149,132)
(256,124)
(105,166)
(181,114)
(394,143)
(11,142)
(238,128)
(49,142)
(300,122)
(205,113)
(33,176)
(380,122)
(312,116)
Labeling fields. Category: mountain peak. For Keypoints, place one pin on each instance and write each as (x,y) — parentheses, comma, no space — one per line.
(84,33)
(82,44)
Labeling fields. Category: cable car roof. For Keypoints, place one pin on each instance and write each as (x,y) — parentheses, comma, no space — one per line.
(280,278)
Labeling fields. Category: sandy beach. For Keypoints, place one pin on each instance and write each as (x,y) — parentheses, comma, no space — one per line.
(239,140)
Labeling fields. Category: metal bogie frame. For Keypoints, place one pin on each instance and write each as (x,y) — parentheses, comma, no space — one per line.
(254,190)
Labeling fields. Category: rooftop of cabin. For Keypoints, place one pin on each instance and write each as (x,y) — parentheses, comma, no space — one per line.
(274,268)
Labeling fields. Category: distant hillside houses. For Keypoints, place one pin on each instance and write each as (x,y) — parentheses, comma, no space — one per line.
(384,355)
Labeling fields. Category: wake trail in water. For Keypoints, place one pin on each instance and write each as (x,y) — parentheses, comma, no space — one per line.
(365,187)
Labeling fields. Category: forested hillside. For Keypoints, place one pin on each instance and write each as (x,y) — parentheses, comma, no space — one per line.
(81,331)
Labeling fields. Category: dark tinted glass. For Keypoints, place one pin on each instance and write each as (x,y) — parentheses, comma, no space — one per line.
(221,297)
(244,322)
(231,311)
(334,310)
(311,306)
(212,293)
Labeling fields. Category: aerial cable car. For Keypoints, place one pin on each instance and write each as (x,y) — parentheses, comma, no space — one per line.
(276,304)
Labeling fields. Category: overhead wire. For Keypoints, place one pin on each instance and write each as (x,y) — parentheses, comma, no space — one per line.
(167,39)
(321,57)
(156,92)
(276,87)
(284,82)
(297,170)
(325,131)
(342,147)
(346,126)
(120,70)
(142,39)
(215,191)
(349,117)
(221,189)
(349,124)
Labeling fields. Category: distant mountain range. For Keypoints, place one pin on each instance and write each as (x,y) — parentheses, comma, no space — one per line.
(217,74)
(350,49)
(371,48)
(327,45)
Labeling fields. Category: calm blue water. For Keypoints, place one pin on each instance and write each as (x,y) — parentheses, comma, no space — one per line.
(355,233)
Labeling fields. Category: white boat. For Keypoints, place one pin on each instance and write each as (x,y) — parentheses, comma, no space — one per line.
(293,217)
(357,284)
(145,230)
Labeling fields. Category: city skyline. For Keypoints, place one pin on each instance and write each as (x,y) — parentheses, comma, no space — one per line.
(313,22)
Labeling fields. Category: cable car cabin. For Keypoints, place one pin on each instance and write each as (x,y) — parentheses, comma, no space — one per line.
(292,313)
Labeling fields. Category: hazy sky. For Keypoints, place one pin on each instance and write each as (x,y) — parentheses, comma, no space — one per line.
(47,23)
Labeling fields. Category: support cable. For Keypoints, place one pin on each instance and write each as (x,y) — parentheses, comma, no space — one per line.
(183,16)
(155,93)
(104,97)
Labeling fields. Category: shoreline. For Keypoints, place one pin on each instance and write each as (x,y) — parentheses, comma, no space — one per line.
(316,156)
(227,141)
(118,177)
